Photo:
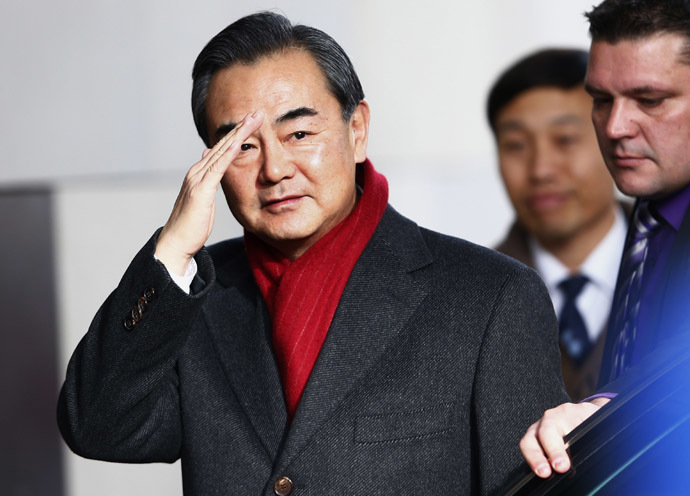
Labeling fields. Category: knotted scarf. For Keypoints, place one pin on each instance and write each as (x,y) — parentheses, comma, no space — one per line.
(302,295)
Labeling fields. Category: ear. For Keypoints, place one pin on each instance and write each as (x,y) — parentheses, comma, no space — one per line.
(359,126)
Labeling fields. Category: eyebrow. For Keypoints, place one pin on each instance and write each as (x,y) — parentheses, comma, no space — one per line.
(640,90)
(512,125)
(296,114)
(516,125)
(293,114)
(566,119)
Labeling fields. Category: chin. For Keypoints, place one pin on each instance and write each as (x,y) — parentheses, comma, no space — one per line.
(555,232)
(286,235)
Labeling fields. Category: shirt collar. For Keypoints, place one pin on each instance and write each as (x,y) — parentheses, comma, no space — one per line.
(673,207)
(597,266)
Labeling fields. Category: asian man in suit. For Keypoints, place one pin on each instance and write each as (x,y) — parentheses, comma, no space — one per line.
(568,225)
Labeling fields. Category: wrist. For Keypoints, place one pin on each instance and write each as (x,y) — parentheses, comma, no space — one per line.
(174,263)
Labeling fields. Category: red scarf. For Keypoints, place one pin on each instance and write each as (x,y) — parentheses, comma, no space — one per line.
(302,296)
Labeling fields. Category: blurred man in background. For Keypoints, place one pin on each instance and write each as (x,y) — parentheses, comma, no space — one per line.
(569,226)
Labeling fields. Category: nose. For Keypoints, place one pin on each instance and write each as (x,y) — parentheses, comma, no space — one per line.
(276,165)
(620,122)
(543,161)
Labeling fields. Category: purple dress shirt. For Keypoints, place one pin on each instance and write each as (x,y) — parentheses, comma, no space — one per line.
(670,211)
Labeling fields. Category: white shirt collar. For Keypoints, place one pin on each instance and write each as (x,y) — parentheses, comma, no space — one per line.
(600,266)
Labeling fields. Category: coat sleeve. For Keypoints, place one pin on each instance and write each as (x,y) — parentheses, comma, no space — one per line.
(518,375)
(120,400)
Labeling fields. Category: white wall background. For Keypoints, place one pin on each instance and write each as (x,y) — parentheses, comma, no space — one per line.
(94,97)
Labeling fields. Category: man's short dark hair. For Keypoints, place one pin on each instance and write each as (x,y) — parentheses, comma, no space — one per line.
(554,67)
(617,20)
(266,33)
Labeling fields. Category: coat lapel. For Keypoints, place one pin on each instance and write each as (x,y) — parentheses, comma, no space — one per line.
(240,329)
(378,300)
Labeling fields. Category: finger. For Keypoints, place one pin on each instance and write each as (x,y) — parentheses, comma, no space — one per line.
(550,437)
(225,154)
(250,123)
(533,454)
(220,163)
(210,155)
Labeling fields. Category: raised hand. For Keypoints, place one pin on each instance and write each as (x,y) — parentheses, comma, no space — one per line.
(191,221)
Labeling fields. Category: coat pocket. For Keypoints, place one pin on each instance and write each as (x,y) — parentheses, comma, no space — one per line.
(404,426)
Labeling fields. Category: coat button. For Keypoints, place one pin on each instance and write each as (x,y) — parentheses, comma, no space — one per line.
(283,486)
(136,313)
(149,294)
(141,304)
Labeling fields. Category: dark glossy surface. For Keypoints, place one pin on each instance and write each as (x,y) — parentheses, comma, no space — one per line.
(637,444)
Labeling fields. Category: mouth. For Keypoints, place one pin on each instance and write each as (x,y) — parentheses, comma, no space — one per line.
(625,160)
(281,202)
(542,202)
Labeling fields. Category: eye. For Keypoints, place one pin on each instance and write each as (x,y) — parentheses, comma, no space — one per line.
(566,139)
(650,102)
(300,135)
(245,147)
(513,146)
(598,101)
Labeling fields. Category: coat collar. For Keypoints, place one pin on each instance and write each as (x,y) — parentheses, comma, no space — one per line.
(240,329)
(381,295)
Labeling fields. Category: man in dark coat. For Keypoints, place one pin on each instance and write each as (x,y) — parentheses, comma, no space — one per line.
(338,348)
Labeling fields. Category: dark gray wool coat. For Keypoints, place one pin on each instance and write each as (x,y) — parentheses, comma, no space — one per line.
(440,355)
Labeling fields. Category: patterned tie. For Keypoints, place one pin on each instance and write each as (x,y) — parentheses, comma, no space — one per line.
(626,302)
(572,329)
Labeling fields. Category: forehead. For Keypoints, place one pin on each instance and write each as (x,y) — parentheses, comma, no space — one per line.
(545,107)
(646,62)
(274,83)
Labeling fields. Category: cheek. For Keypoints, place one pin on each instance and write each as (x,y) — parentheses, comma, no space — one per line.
(238,190)
(602,139)
(514,178)
(328,165)
(595,185)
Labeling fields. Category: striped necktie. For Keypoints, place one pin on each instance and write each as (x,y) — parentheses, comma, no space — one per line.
(629,288)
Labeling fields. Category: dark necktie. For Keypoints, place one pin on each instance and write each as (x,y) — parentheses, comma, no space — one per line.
(572,329)
(626,302)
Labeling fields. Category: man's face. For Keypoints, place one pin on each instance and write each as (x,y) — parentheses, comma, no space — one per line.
(641,113)
(294,179)
(550,163)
